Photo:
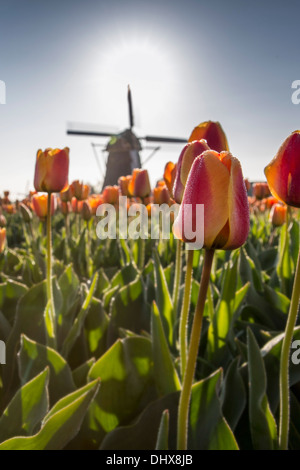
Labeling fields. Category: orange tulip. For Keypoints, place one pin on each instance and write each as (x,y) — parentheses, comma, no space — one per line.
(186,159)
(213,133)
(111,194)
(283,173)
(95,200)
(278,215)
(52,170)
(66,196)
(161,195)
(80,191)
(65,208)
(2,239)
(170,175)
(139,186)
(40,202)
(216,181)
(123,183)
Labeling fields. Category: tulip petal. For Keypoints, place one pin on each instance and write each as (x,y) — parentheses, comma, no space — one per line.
(238,207)
(213,133)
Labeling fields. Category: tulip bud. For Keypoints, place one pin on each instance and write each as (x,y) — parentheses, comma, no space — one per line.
(123,183)
(86,211)
(26,213)
(40,205)
(76,205)
(186,159)
(52,170)
(2,239)
(65,208)
(278,215)
(170,175)
(161,195)
(283,173)
(139,186)
(66,196)
(95,200)
(213,133)
(110,194)
(216,181)
(261,190)
(80,191)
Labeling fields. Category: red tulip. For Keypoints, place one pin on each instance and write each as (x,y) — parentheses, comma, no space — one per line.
(186,159)
(213,133)
(216,181)
(80,191)
(123,183)
(283,173)
(139,186)
(52,170)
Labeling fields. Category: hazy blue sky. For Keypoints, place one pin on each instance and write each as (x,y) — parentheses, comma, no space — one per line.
(187,61)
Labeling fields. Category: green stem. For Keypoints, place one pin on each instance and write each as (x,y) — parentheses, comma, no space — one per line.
(185,397)
(284,362)
(178,266)
(285,253)
(142,243)
(183,328)
(52,335)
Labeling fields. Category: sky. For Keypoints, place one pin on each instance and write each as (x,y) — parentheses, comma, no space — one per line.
(187,61)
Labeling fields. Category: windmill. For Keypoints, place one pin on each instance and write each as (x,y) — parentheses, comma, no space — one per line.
(124,148)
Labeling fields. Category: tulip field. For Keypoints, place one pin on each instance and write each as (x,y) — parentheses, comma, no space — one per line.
(123,343)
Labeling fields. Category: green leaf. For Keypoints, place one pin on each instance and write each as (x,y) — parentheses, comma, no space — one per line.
(80,374)
(262,423)
(60,426)
(34,357)
(126,374)
(163,300)
(10,293)
(233,395)
(163,432)
(27,408)
(166,377)
(79,321)
(95,328)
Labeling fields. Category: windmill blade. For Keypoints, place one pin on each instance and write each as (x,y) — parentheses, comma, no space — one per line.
(90,133)
(164,140)
(131,119)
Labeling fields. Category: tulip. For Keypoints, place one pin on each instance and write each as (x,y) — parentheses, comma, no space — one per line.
(161,195)
(51,170)
(95,200)
(261,190)
(76,205)
(213,133)
(86,211)
(110,194)
(66,196)
(283,173)
(139,186)
(80,191)
(2,239)
(270,201)
(216,181)
(170,175)
(65,208)
(283,176)
(123,183)
(40,204)
(278,215)
(189,153)
(3,221)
